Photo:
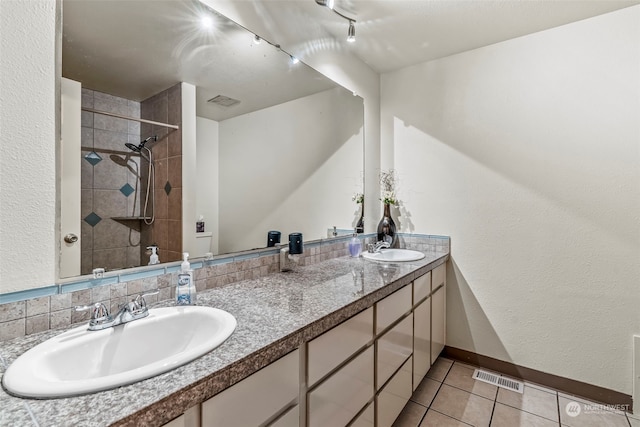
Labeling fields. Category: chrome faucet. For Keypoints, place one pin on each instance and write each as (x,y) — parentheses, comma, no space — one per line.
(101,319)
(373,248)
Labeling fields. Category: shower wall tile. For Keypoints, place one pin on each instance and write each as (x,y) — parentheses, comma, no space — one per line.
(175,205)
(106,102)
(162,172)
(109,203)
(86,137)
(110,259)
(110,141)
(108,175)
(111,234)
(160,148)
(133,253)
(175,143)
(115,124)
(86,171)
(175,235)
(87,98)
(86,119)
(174,166)
(86,261)
(86,237)
(162,204)
(160,234)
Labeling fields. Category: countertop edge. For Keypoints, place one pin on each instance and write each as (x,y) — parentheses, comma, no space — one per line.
(178,402)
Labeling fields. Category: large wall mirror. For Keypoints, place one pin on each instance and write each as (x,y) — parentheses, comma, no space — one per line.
(183,115)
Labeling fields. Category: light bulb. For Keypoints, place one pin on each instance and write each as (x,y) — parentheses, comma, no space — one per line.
(294,60)
(351,35)
(257,39)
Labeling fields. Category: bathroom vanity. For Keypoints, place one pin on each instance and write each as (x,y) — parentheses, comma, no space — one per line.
(342,342)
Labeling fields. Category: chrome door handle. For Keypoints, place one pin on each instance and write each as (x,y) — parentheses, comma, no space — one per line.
(70,238)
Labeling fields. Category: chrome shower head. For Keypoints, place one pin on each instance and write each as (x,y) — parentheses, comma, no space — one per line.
(138,148)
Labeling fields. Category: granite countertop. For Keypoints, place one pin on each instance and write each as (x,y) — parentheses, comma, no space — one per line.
(275,315)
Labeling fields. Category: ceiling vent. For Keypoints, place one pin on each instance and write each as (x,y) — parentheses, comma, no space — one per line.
(223,101)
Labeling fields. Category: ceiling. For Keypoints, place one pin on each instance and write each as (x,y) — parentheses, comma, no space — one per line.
(392,34)
(141,47)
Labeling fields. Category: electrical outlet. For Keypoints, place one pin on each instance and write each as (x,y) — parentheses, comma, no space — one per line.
(98,273)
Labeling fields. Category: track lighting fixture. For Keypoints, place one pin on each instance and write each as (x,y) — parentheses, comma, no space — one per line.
(351,33)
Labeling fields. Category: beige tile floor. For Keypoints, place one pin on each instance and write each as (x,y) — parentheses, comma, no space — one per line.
(449,397)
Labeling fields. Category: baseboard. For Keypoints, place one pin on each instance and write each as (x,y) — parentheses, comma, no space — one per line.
(566,385)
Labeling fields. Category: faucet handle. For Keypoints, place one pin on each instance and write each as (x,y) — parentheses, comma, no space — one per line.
(139,304)
(99,313)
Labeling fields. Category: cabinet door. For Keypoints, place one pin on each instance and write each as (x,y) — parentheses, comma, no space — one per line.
(290,419)
(257,398)
(394,396)
(191,418)
(391,308)
(438,322)
(421,287)
(394,347)
(335,346)
(421,341)
(339,398)
(366,418)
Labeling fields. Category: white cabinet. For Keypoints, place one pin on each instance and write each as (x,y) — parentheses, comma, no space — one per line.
(289,419)
(336,345)
(191,418)
(438,312)
(421,341)
(421,287)
(394,347)
(392,307)
(366,418)
(257,398)
(394,396)
(340,397)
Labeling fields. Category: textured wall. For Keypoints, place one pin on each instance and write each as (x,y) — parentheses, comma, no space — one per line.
(308,169)
(27,144)
(526,154)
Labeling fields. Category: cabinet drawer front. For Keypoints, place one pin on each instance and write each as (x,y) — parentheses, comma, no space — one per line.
(421,287)
(392,308)
(366,418)
(394,347)
(394,396)
(337,400)
(290,419)
(335,346)
(438,323)
(257,398)
(421,341)
(438,275)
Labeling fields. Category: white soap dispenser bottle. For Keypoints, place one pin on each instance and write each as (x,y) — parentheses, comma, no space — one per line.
(186,288)
(153,259)
(355,246)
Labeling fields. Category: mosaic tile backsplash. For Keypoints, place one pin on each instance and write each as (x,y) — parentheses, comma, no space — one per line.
(28,316)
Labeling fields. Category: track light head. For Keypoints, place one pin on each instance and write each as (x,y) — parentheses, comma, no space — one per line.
(326,3)
(351,35)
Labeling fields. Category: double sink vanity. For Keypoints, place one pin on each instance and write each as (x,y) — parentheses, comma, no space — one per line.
(341,342)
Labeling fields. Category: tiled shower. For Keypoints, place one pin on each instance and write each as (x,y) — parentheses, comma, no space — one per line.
(114,181)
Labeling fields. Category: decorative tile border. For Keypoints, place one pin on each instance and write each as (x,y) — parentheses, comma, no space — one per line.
(51,307)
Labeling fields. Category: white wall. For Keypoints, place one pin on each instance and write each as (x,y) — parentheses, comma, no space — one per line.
(527,153)
(308,169)
(333,60)
(207,176)
(27,144)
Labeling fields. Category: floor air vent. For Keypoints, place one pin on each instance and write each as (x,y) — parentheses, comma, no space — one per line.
(497,380)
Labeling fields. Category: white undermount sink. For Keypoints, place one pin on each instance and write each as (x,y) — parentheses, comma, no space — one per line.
(80,361)
(393,255)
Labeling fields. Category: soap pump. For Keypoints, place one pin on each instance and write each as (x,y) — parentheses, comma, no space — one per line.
(185,289)
(355,246)
(153,259)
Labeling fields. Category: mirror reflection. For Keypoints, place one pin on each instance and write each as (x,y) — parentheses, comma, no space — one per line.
(184,118)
